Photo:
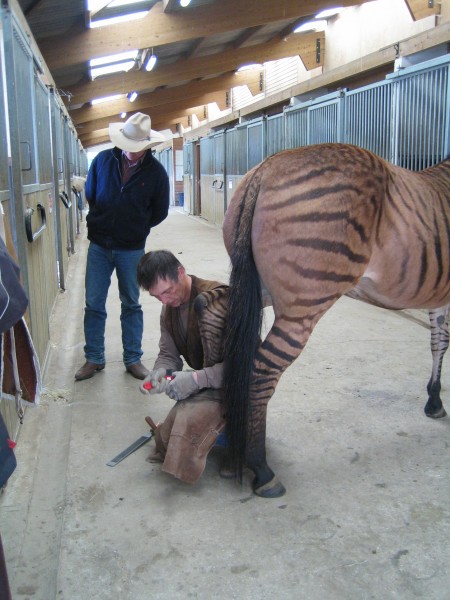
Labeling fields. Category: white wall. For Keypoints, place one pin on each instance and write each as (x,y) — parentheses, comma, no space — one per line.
(368,28)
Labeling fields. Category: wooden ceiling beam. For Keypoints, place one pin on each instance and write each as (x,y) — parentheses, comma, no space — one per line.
(419,9)
(97,133)
(244,37)
(195,68)
(312,56)
(192,90)
(169,110)
(194,48)
(159,28)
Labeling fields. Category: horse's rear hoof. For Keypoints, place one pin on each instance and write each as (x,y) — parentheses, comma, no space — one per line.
(271,489)
(437,415)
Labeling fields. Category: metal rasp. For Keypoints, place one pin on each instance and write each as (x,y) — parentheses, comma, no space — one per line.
(134,446)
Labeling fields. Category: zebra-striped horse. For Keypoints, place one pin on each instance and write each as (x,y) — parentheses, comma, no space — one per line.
(307,226)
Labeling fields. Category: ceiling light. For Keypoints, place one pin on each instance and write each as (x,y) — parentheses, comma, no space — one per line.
(329,12)
(184,3)
(151,62)
(106,99)
(132,96)
(123,115)
(120,19)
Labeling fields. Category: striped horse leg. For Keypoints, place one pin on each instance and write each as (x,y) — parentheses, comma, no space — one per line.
(282,345)
(439,345)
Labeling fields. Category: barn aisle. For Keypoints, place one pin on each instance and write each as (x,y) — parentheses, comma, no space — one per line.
(367,507)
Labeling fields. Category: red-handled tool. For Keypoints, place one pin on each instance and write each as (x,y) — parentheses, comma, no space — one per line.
(148,384)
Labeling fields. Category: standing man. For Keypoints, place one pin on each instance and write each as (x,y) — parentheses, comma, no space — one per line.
(192,323)
(128,193)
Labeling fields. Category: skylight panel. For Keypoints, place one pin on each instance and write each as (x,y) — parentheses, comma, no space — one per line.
(106,99)
(114,68)
(114,58)
(116,3)
(120,19)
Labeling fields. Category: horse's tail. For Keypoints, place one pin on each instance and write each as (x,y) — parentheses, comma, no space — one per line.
(242,332)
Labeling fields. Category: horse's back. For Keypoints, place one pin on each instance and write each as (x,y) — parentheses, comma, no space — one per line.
(330,215)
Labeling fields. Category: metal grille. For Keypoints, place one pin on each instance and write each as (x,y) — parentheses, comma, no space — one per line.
(24,87)
(421,115)
(368,118)
(43,132)
(255,144)
(188,158)
(236,153)
(207,156)
(296,123)
(275,134)
(324,123)
(4,183)
(219,163)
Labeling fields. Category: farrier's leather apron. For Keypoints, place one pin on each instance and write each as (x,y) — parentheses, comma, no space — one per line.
(192,426)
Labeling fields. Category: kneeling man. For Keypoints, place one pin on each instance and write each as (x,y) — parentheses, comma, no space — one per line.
(192,323)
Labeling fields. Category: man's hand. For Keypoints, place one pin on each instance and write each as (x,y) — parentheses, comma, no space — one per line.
(182,385)
(157,380)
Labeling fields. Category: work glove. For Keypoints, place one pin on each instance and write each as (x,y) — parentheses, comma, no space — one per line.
(157,380)
(182,385)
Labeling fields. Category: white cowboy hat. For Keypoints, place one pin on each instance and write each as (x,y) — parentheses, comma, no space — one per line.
(135,134)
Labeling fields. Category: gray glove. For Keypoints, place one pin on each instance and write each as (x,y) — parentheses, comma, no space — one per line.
(157,380)
(182,385)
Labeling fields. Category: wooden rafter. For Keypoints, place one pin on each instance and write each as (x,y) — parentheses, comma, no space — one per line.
(159,28)
(300,44)
(162,97)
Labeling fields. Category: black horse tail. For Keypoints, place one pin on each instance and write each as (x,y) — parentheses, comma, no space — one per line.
(243,328)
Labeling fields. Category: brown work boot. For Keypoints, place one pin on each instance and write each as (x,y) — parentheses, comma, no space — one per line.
(138,370)
(88,370)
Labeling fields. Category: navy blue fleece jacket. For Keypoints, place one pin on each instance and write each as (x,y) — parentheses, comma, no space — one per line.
(120,217)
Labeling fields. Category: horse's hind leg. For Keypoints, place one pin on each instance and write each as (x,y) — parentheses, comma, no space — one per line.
(439,345)
(283,344)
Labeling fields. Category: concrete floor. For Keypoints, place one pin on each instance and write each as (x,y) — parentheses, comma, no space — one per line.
(366,513)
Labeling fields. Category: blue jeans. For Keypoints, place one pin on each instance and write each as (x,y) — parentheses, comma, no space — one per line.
(100,266)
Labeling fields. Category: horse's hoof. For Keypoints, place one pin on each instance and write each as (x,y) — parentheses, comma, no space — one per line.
(271,489)
(437,415)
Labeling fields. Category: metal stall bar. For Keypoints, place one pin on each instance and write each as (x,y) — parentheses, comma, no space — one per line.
(57,167)
(67,176)
(255,142)
(220,200)
(275,134)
